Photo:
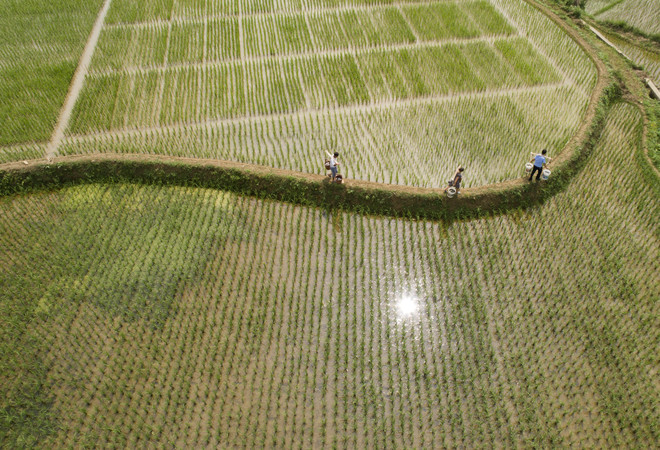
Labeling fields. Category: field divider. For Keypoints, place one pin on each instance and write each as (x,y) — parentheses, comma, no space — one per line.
(77,83)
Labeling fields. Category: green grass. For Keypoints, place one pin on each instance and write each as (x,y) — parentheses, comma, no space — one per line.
(40,43)
(219,312)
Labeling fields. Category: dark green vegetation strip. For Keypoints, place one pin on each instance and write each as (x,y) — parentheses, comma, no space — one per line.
(619,25)
(653,111)
(607,8)
(308,190)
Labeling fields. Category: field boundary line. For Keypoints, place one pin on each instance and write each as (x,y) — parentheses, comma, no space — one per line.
(408,23)
(490,39)
(186,20)
(391,104)
(77,83)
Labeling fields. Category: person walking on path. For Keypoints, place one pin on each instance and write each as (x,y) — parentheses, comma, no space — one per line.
(539,162)
(334,164)
(456,179)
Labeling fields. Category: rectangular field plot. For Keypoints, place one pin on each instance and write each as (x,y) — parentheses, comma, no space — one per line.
(150,99)
(186,43)
(295,85)
(276,35)
(124,47)
(440,21)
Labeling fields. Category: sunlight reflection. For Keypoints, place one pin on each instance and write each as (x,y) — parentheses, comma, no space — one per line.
(407,305)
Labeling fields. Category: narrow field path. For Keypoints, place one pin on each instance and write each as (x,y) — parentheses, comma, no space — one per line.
(387,104)
(77,83)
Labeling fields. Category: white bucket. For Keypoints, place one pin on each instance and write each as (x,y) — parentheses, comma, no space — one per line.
(528,168)
(451,192)
(546,174)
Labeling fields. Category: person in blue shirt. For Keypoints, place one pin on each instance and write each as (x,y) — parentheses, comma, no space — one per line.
(539,161)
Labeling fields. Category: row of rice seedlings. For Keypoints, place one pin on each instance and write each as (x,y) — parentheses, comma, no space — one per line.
(550,40)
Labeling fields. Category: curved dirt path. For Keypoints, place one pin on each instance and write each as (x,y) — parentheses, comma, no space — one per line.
(77,83)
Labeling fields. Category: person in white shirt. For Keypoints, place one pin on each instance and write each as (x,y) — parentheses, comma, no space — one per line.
(334,165)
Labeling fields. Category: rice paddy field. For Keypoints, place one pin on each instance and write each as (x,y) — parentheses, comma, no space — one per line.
(645,57)
(196,318)
(279,83)
(150,316)
(641,14)
(40,44)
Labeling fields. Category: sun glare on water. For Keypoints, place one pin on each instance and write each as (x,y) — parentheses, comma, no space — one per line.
(407,305)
